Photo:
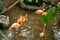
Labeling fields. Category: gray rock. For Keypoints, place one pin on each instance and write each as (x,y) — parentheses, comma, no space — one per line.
(56,33)
(4,21)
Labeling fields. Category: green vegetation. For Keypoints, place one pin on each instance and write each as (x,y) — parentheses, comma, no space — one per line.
(2,5)
(51,13)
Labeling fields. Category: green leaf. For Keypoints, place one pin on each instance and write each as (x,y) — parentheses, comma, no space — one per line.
(51,15)
(44,19)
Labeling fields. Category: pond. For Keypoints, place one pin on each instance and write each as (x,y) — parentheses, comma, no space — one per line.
(30,30)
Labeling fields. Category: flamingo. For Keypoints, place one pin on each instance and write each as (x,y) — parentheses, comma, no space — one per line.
(19,22)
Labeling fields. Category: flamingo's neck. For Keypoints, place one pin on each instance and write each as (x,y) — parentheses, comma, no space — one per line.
(19,23)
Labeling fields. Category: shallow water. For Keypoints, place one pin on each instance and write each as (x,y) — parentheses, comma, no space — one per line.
(30,30)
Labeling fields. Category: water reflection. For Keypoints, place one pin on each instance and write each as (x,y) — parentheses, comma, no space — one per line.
(24,32)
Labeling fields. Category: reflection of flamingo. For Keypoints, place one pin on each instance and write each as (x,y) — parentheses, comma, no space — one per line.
(42,34)
(19,22)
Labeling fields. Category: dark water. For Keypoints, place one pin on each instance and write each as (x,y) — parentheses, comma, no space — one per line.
(30,30)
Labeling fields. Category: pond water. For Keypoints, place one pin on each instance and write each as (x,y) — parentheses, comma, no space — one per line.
(30,30)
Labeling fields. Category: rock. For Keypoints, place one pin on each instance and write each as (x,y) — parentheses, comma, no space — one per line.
(27,32)
(4,21)
(56,33)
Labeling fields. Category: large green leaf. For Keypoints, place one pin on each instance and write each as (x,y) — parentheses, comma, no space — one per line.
(51,15)
(44,19)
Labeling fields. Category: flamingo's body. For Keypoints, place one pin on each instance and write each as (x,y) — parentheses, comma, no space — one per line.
(15,26)
(19,22)
(39,11)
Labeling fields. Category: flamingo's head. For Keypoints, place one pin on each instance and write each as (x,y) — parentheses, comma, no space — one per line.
(22,19)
